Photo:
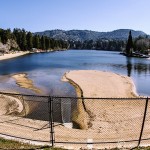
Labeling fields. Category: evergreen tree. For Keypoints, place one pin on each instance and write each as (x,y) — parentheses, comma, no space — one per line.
(65,44)
(129,46)
(29,41)
(58,44)
(43,42)
(5,35)
(36,41)
(23,40)
(13,37)
(52,43)
(18,34)
(47,43)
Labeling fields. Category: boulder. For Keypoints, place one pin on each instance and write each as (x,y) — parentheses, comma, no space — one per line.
(10,45)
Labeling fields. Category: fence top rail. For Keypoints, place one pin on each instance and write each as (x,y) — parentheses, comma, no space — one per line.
(64,97)
(105,98)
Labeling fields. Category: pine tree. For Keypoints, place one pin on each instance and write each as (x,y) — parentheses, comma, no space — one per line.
(52,43)
(5,35)
(29,41)
(17,34)
(47,43)
(36,41)
(23,40)
(129,46)
(43,42)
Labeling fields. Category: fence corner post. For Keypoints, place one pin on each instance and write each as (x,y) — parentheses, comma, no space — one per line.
(144,117)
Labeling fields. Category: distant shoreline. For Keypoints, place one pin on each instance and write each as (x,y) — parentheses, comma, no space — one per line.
(21,53)
(9,56)
(17,54)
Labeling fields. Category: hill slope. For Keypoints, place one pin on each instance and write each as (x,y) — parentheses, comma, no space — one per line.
(82,35)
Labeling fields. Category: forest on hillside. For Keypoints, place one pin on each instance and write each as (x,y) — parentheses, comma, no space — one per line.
(141,43)
(27,41)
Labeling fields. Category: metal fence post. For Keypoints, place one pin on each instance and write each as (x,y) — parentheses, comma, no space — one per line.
(24,107)
(144,117)
(51,122)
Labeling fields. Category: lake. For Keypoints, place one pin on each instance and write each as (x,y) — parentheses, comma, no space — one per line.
(47,69)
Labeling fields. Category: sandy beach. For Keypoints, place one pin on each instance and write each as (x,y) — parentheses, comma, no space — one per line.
(9,56)
(100,120)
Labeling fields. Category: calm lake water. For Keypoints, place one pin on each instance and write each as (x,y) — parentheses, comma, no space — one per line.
(47,69)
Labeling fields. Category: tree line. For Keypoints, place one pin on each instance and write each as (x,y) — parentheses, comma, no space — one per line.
(101,44)
(26,40)
(142,43)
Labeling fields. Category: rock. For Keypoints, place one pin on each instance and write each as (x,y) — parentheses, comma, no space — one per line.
(10,45)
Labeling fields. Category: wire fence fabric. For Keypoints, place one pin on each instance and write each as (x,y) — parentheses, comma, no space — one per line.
(105,122)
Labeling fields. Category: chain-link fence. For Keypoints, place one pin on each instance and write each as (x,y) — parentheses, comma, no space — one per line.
(78,122)
(25,118)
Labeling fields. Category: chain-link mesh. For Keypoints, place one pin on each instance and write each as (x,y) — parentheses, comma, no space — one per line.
(146,131)
(25,118)
(102,122)
(114,121)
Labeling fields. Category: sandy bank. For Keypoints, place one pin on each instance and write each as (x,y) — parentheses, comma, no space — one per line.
(23,81)
(10,105)
(9,56)
(94,84)
(102,84)
(105,119)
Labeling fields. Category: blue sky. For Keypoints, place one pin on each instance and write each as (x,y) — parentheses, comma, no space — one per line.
(97,15)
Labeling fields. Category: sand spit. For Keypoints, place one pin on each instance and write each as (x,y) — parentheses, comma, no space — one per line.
(102,84)
(23,81)
(96,84)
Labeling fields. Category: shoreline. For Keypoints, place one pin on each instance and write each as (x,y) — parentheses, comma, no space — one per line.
(78,89)
(21,53)
(9,56)
(79,115)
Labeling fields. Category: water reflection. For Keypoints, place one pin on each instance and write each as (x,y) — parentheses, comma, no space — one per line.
(129,66)
(139,67)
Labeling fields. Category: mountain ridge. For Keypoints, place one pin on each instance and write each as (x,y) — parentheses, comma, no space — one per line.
(82,35)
